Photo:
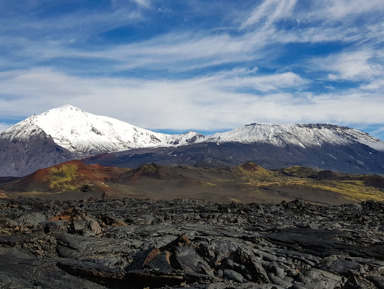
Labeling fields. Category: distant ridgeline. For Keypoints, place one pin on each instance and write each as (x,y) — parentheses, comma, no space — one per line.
(68,133)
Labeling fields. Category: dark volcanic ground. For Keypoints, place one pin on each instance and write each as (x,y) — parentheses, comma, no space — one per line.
(131,243)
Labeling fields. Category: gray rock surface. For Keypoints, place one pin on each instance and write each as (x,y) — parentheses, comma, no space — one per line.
(20,156)
(130,243)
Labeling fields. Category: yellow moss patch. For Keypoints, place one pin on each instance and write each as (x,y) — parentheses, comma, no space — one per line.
(61,178)
(252,170)
(3,195)
(234,200)
(299,171)
(209,184)
(353,189)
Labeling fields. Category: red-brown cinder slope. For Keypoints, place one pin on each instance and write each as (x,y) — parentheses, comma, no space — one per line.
(67,176)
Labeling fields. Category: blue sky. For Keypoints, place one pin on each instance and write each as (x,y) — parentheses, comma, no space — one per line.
(196,65)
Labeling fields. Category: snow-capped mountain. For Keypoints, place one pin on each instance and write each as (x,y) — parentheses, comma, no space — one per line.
(303,135)
(67,133)
(85,134)
(272,146)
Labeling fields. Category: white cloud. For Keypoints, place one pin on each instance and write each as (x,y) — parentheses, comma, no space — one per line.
(4,126)
(320,21)
(268,12)
(179,51)
(75,25)
(375,85)
(176,52)
(211,100)
(204,103)
(176,48)
(353,66)
(343,8)
(180,100)
(264,83)
(28,40)
(41,82)
(144,3)
(341,11)
(272,82)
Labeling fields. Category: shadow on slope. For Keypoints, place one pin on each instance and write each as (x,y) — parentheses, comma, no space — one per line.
(352,158)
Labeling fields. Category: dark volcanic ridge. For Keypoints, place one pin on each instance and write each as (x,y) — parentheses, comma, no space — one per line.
(352,158)
(130,243)
(246,183)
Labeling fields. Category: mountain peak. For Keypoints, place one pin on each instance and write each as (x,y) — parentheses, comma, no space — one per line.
(85,134)
(64,109)
(303,135)
(67,132)
(68,107)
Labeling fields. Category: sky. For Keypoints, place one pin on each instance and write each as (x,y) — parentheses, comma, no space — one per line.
(208,66)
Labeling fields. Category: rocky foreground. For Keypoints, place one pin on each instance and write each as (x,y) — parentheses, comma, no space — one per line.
(189,244)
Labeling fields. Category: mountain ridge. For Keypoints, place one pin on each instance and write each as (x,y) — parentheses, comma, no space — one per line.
(298,134)
(84,133)
(67,133)
(352,158)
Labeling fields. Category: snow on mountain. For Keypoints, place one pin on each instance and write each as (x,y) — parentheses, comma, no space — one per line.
(304,135)
(67,133)
(26,148)
(84,133)
(23,130)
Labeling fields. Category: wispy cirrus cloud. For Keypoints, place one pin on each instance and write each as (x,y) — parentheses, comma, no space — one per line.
(268,12)
(178,51)
(360,65)
(144,3)
(72,25)
(193,64)
(349,8)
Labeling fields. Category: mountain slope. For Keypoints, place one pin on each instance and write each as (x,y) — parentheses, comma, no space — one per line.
(245,183)
(68,176)
(303,135)
(321,146)
(352,158)
(28,150)
(84,133)
(67,133)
